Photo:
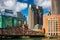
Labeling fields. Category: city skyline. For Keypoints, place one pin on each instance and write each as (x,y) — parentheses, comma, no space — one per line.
(30,17)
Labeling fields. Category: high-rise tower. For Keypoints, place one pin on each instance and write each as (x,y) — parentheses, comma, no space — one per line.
(55,7)
(35,16)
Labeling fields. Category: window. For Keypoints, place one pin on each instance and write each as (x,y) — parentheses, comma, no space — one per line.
(56,24)
(49,26)
(6,21)
(56,34)
(49,33)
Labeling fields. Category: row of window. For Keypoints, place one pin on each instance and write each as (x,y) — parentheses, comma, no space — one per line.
(52,25)
(53,34)
(9,21)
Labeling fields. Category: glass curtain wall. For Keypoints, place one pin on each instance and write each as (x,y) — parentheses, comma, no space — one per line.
(14,21)
(20,22)
(17,22)
(6,21)
(0,21)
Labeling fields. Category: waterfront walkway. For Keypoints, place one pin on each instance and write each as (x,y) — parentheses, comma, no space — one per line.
(18,31)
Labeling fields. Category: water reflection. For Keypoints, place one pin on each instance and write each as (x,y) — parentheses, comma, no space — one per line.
(37,38)
(40,39)
(50,39)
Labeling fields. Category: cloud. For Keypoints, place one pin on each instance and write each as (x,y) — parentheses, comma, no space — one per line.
(20,6)
(1,4)
(12,5)
(46,4)
(9,3)
(43,3)
(38,1)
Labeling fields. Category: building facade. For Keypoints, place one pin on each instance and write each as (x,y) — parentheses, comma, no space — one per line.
(55,7)
(30,18)
(52,25)
(35,16)
(8,19)
(44,19)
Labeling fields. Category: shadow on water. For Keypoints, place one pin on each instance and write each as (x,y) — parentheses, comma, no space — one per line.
(32,38)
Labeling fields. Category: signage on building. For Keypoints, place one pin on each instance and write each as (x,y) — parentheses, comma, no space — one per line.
(8,11)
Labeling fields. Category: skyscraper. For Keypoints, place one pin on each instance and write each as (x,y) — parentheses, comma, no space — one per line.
(30,18)
(20,15)
(55,7)
(35,16)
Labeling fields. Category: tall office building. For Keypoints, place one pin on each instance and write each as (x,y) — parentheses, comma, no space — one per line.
(20,15)
(30,18)
(35,16)
(55,7)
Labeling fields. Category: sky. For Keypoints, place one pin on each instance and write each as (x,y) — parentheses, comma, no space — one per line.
(22,5)
(46,4)
(25,11)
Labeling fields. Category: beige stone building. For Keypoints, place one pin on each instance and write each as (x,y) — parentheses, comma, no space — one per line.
(30,18)
(52,25)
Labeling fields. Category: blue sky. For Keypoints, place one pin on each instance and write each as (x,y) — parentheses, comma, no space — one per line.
(22,5)
(25,11)
(44,3)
